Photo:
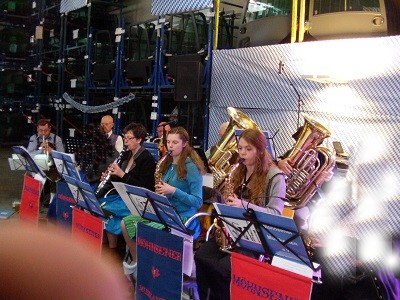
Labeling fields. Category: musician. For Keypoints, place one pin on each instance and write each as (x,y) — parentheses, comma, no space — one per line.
(180,181)
(162,130)
(44,141)
(107,124)
(137,168)
(302,215)
(222,128)
(257,183)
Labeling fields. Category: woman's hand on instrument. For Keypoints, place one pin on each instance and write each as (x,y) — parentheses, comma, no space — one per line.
(163,188)
(115,170)
(233,201)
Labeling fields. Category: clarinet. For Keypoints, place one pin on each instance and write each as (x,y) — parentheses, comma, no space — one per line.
(106,179)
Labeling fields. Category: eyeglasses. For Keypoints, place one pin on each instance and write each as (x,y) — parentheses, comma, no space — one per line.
(128,138)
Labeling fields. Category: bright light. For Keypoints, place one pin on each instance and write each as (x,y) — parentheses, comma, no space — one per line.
(320,220)
(373,248)
(369,208)
(337,243)
(373,147)
(390,186)
(393,261)
(340,100)
(346,60)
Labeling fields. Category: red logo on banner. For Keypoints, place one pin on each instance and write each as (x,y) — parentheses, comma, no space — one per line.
(252,279)
(87,229)
(29,210)
(155,272)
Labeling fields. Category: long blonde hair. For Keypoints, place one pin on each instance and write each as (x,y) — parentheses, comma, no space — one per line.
(187,151)
(257,184)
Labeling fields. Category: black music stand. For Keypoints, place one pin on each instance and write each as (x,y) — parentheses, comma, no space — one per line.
(65,164)
(264,233)
(28,163)
(151,206)
(85,197)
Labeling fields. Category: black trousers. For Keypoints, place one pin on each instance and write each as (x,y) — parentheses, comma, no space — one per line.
(213,272)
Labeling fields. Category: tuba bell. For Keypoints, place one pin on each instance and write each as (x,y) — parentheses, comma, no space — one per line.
(224,154)
(309,161)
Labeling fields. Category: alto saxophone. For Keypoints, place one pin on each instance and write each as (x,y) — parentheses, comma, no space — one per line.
(157,173)
(100,188)
(221,237)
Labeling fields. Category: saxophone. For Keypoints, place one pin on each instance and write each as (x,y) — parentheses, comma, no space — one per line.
(100,188)
(157,173)
(221,237)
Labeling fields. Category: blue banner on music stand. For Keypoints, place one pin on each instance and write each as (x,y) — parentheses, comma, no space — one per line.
(64,202)
(159,265)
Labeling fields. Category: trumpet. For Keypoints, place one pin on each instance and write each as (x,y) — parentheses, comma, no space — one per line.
(100,188)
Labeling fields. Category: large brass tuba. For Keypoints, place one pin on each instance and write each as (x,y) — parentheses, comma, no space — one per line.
(308,168)
(224,154)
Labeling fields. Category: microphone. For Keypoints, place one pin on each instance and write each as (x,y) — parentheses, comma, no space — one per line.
(281,65)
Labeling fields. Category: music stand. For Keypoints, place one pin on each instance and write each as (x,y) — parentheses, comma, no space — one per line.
(260,232)
(27,163)
(85,197)
(151,206)
(65,164)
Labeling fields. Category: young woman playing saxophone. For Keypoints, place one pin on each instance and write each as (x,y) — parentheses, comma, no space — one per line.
(255,183)
(179,178)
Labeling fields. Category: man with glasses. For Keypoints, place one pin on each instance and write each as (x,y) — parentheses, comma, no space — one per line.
(44,141)
(106,125)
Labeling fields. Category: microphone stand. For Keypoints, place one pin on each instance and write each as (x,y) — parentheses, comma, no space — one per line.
(289,79)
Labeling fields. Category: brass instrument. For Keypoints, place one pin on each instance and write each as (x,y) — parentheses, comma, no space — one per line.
(161,146)
(100,188)
(222,154)
(307,174)
(221,237)
(157,173)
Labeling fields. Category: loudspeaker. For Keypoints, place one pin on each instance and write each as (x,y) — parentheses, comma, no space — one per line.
(188,81)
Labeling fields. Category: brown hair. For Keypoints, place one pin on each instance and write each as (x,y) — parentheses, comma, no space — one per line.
(257,184)
(138,130)
(187,151)
(43,122)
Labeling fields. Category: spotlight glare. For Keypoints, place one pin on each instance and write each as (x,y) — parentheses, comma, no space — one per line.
(336,243)
(373,247)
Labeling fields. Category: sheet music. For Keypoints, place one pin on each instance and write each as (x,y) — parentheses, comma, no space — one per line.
(84,195)
(280,233)
(236,225)
(135,203)
(65,164)
(150,205)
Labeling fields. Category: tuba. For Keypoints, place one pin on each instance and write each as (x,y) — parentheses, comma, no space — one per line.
(224,154)
(308,166)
